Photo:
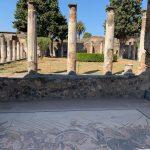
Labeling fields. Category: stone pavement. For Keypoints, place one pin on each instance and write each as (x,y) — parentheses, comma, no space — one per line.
(106,124)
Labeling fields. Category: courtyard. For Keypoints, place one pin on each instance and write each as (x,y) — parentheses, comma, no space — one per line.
(67,85)
(59,66)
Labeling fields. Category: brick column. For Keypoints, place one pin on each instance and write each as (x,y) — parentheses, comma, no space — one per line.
(9,50)
(3,49)
(72,40)
(14,51)
(109,41)
(32,38)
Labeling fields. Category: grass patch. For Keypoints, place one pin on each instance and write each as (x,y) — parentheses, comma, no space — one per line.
(84,57)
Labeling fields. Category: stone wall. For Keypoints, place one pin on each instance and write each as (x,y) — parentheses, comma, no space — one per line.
(37,87)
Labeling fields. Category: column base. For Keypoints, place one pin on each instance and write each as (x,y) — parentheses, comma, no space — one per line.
(108,73)
(3,61)
(72,73)
(32,67)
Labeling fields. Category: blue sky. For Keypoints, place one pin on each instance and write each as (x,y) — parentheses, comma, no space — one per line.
(91,12)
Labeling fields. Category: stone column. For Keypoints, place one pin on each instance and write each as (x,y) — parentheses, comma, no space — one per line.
(109,41)
(14,53)
(101,48)
(142,36)
(72,40)
(18,51)
(142,63)
(134,50)
(130,50)
(9,50)
(21,51)
(3,49)
(32,38)
(91,49)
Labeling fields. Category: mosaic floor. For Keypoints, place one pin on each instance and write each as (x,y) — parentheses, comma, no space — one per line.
(75,130)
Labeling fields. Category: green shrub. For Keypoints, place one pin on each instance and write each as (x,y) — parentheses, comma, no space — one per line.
(43,43)
(85,57)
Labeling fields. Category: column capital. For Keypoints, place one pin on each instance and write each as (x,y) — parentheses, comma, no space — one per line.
(144,12)
(72,5)
(31,5)
(31,2)
(1,35)
(110,8)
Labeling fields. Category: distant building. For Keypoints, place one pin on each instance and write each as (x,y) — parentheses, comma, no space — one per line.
(94,44)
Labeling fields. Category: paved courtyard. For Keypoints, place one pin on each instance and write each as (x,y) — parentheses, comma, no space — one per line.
(75,125)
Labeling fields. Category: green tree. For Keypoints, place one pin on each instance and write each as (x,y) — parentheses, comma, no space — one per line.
(127,19)
(80,28)
(62,31)
(43,43)
(48,15)
(87,35)
(58,28)
(50,22)
(20,22)
(21,13)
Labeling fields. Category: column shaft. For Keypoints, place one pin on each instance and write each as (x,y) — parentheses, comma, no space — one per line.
(109,41)
(142,36)
(9,50)
(18,51)
(3,49)
(14,54)
(32,38)
(72,40)
(21,51)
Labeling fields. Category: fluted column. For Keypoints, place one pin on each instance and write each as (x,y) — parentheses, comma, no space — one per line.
(32,38)
(9,50)
(109,41)
(3,49)
(14,49)
(72,39)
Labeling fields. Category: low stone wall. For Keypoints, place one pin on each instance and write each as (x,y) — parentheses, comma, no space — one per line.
(38,87)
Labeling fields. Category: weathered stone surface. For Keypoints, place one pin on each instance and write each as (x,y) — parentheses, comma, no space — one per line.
(14,51)
(142,36)
(32,38)
(9,50)
(58,86)
(72,39)
(3,49)
(109,41)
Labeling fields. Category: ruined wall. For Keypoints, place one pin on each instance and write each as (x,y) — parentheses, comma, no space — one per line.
(68,87)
